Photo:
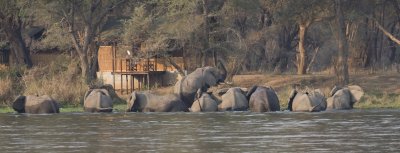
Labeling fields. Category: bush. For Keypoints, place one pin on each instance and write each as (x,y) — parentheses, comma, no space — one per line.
(10,84)
(60,80)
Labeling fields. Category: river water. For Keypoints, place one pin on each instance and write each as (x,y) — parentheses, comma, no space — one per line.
(343,131)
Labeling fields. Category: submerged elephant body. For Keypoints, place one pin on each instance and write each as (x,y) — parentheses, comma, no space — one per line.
(313,101)
(344,98)
(98,100)
(204,103)
(148,102)
(234,100)
(36,105)
(263,99)
(201,78)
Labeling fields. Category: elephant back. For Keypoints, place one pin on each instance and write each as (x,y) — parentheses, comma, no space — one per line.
(41,104)
(356,93)
(317,101)
(340,100)
(98,100)
(301,103)
(263,99)
(205,103)
(234,99)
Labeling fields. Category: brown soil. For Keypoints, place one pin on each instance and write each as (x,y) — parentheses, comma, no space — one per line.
(385,83)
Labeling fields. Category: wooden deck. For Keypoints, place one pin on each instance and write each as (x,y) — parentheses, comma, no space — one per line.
(131,73)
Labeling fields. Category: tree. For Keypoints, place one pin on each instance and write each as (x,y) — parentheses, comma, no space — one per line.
(341,66)
(12,19)
(84,20)
(304,13)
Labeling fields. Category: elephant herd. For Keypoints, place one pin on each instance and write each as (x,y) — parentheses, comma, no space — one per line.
(192,93)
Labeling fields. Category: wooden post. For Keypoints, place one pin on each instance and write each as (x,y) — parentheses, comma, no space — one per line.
(148,81)
(122,87)
(113,63)
(131,83)
(127,88)
(155,63)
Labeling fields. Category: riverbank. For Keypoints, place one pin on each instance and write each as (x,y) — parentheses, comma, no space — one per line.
(382,90)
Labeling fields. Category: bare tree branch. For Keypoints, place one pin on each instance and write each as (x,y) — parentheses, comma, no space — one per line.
(388,34)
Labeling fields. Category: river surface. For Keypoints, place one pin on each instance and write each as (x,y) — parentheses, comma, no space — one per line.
(343,131)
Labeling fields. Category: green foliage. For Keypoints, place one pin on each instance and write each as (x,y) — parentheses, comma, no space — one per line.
(301,11)
(56,38)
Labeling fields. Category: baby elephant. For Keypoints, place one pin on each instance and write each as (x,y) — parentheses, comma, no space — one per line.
(148,102)
(263,99)
(36,105)
(204,102)
(98,100)
(313,101)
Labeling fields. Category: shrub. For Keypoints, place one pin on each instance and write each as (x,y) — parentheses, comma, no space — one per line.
(10,84)
(60,80)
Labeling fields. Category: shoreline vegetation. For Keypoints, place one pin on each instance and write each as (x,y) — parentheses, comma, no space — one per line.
(61,80)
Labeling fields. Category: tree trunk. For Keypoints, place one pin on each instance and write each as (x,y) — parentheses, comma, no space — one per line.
(206,44)
(22,56)
(302,56)
(341,66)
(18,46)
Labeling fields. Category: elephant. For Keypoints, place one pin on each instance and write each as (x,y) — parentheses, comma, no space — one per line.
(201,78)
(204,102)
(344,98)
(313,101)
(262,99)
(36,104)
(149,102)
(234,100)
(98,100)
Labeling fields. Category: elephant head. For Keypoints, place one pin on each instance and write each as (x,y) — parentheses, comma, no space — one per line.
(131,105)
(137,102)
(202,78)
(19,104)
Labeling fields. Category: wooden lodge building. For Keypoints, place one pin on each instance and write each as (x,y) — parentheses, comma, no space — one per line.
(128,73)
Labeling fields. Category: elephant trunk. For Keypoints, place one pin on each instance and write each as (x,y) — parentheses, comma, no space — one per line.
(222,70)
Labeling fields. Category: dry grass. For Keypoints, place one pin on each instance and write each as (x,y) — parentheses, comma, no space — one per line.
(382,90)
(60,80)
(10,85)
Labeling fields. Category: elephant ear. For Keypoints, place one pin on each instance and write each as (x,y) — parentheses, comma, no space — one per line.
(87,93)
(319,91)
(293,94)
(104,92)
(244,90)
(198,93)
(131,101)
(19,104)
(221,92)
(210,76)
(334,90)
(222,71)
(356,93)
(250,92)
